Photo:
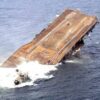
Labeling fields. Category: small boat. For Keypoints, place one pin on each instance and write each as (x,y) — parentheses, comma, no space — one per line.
(54,43)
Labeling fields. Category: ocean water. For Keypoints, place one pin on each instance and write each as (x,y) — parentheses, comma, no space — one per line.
(78,79)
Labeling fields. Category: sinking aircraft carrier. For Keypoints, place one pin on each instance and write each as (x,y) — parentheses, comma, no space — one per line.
(62,37)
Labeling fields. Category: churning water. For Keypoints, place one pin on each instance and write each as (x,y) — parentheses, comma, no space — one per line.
(34,70)
(78,79)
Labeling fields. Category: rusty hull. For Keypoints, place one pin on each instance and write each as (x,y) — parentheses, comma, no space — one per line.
(55,41)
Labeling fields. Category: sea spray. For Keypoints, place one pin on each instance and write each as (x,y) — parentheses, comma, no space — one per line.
(7,76)
(34,70)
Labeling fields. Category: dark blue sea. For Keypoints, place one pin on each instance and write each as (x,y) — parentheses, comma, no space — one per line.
(79,78)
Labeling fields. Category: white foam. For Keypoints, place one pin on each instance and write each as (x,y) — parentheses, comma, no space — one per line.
(7,77)
(33,69)
(75,61)
(97,42)
(57,15)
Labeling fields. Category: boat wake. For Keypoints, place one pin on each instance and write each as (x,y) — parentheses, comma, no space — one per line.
(34,70)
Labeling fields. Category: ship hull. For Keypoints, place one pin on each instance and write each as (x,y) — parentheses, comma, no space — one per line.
(53,43)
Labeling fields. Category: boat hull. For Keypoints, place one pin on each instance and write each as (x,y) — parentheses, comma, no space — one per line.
(57,40)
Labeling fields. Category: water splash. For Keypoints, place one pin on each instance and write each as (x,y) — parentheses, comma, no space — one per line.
(33,69)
